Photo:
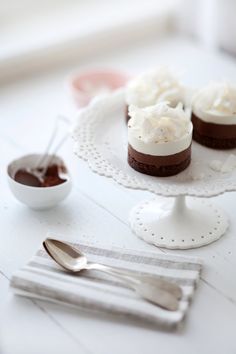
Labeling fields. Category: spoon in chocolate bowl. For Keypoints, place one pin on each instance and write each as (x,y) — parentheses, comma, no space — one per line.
(41,181)
(155,290)
(44,173)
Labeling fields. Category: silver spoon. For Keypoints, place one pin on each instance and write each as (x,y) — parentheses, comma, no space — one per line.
(45,160)
(158,291)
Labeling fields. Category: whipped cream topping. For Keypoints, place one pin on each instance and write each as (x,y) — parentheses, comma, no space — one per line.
(216,103)
(159,129)
(153,87)
(160,123)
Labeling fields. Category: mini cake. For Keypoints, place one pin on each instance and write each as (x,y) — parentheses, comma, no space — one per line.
(214,116)
(159,139)
(153,87)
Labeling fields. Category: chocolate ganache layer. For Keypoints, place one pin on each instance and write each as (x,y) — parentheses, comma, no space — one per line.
(159,166)
(216,136)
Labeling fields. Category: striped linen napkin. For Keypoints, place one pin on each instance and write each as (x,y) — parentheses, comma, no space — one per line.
(43,279)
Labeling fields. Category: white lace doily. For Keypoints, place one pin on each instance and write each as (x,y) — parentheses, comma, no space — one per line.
(101,140)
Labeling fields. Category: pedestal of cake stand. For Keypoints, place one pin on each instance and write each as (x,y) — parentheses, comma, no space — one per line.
(178,224)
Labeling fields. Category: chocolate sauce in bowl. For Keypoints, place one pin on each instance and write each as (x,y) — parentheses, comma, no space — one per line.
(54,175)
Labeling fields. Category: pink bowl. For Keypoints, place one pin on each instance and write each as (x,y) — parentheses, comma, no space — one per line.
(89,84)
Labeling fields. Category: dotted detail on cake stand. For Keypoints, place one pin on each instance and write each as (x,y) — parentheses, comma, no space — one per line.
(101,140)
(177,224)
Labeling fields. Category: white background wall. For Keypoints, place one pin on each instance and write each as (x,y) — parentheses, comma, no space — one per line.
(211,21)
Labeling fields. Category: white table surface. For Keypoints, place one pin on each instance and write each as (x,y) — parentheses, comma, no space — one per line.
(97,211)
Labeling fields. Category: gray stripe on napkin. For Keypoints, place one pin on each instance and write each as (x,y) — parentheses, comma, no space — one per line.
(165,263)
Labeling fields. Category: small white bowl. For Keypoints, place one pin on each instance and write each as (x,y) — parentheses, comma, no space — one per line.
(37,197)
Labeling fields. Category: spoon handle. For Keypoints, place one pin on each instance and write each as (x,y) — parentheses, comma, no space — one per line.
(42,162)
(148,290)
(155,280)
(174,289)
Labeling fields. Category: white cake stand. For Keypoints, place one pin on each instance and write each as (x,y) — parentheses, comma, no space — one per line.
(101,140)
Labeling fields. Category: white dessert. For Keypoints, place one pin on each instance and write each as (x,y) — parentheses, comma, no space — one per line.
(152,87)
(216,103)
(159,130)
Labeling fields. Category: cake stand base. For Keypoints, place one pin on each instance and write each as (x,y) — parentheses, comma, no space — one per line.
(178,225)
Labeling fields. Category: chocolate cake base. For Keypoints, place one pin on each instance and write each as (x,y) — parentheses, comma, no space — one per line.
(215,136)
(159,166)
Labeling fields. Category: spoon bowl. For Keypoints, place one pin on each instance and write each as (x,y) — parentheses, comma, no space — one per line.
(65,255)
